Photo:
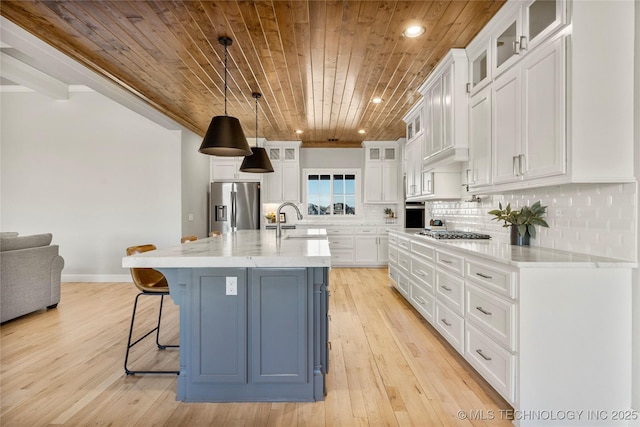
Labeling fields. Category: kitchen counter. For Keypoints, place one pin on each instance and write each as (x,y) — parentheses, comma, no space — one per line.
(253,314)
(521,256)
(243,248)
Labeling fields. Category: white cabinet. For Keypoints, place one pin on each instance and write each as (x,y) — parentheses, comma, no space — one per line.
(523,26)
(371,246)
(514,326)
(228,169)
(479,172)
(413,151)
(283,185)
(528,116)
(446,111)
(382,172)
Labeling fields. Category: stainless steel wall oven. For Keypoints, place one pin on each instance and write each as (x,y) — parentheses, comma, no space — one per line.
(414,215)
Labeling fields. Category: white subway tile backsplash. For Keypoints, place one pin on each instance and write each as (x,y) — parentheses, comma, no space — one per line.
(598,219)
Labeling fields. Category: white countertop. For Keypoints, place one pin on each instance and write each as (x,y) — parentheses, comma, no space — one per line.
(521,256)
(245,248)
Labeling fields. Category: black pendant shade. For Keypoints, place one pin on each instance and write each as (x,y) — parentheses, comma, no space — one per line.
(225,136)
(258,162)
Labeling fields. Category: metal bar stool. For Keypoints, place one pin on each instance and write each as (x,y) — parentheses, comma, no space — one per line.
(150,282)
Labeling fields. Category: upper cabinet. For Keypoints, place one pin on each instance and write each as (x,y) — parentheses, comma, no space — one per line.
(445,126)
(283,185)
(539,113)
(413,152)
(524,25)
(228,169)
(382,172)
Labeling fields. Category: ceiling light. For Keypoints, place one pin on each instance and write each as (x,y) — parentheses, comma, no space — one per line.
(259,161)
(362,131)
(414,31)
(377,100)
(299,131)
(224,136)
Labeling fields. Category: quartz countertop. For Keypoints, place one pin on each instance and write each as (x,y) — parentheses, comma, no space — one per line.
(521,256)
(244,248)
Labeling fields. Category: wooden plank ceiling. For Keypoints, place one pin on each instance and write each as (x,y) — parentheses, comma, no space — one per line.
(318,64)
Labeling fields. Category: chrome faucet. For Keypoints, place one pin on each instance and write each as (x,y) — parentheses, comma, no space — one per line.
(278,227)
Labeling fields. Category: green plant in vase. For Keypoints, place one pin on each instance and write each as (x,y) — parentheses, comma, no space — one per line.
(389,212)
(523,220)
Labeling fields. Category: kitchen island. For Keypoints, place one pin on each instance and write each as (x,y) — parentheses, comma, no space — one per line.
(253,314)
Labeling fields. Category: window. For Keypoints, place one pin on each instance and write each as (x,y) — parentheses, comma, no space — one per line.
(332,192)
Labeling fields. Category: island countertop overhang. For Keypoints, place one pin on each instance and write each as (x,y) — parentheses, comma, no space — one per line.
(243,248)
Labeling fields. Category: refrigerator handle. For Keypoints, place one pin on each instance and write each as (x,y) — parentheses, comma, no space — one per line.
(233,210)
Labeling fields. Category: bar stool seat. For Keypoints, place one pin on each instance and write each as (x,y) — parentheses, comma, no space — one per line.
(150,282)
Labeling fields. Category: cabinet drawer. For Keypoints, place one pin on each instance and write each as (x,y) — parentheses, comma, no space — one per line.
(422,300)
(393,239)
(342,256)
(393,275)
(393,254)
(366,230)
(423,273)
(450,291)
(451,262)
(491,314)
(339,242)
(425,251)
(495,364)
(451,326)
(496,279)
(403,284)
(403,242)
(403,261)
(339,230)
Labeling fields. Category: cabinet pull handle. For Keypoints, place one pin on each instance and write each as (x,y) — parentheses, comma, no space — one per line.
(483,311)
(446,261)
(445,322)
(445,288)
(329,344)
(420,273)
(484,276)
(515,165)
(516,47)
(421,300)
(521,164)
(329,317)
(523,43)
(479,351)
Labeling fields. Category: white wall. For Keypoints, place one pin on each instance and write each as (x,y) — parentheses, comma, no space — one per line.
(195,185)
(92,172)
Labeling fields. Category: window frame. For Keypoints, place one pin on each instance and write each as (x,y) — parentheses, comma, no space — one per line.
(333,171)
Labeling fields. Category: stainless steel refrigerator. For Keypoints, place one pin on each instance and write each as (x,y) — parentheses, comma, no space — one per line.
(234,206)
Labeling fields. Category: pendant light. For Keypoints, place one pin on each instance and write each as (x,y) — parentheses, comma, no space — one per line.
(258,162)
(225,136)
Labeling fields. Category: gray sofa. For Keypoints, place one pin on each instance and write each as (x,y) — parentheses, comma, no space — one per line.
(29,274)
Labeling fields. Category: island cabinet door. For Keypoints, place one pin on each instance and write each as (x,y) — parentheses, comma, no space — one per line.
(217,341)
(279,329)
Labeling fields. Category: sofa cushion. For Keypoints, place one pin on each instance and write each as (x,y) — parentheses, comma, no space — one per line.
(8,234)
(24,242)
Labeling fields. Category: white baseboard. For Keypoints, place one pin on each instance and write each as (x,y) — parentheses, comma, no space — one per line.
(96,278)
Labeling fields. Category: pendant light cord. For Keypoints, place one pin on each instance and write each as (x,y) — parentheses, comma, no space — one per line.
(225,80)
(257,121)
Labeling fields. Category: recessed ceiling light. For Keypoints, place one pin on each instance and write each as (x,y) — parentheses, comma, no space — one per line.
(299,131)
(362,131)
(377,100)
(414,31)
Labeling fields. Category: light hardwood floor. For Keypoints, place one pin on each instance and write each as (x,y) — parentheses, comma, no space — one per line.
(388,367)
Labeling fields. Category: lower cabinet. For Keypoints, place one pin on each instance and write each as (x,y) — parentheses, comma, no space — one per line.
(545,336)
(265,340)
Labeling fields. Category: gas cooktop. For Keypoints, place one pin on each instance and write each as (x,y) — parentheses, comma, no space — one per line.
(443,234)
